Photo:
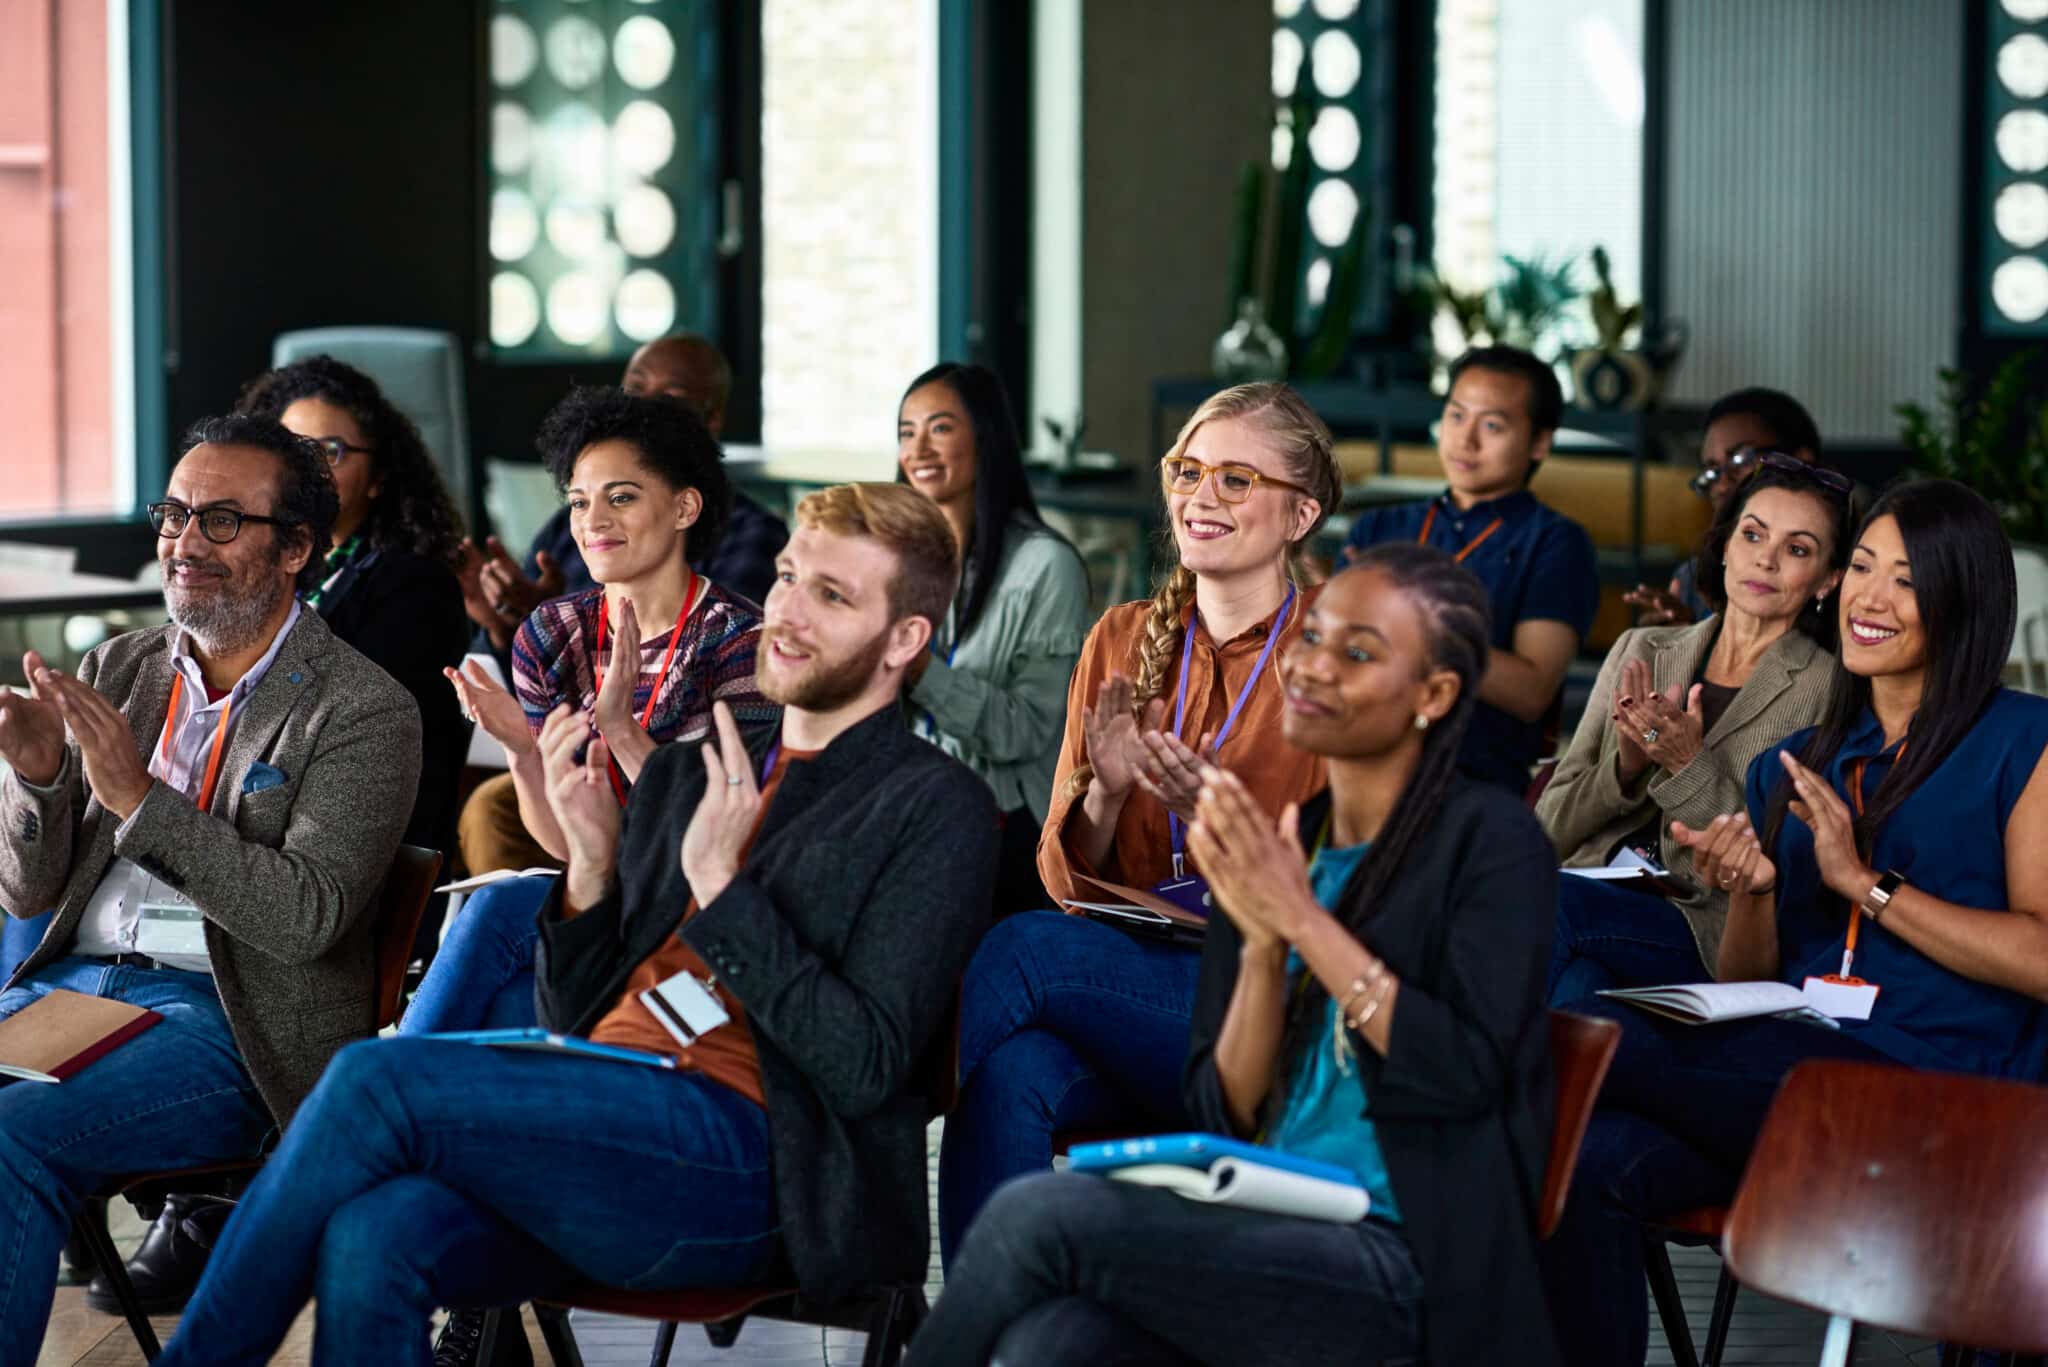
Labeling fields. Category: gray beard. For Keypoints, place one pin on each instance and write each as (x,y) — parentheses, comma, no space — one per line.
(220,622)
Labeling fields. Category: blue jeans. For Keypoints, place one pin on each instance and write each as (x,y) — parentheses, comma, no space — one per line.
(1607,937)
(423,1173)
(1065,1024)
(1070,1268)
(483,977)
(177,1095)
(1678,1115)
(18,939)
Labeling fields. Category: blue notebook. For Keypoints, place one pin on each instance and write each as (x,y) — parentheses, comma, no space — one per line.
(548,1042)
(1197,1151)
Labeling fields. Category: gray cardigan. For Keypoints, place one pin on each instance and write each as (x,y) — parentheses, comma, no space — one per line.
(1587,810)
(999,705)
(844,936)
(285,875)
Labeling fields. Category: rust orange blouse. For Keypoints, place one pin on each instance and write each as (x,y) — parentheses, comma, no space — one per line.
(1276,772)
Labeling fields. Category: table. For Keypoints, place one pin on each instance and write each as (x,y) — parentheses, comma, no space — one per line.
(29,593)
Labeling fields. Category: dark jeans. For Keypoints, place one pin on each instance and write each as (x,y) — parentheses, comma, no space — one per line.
(1678,1116)
(483,976)
(423,1173)
(1066,1268)
(177,1095)
(1607,937)
(1065,1024)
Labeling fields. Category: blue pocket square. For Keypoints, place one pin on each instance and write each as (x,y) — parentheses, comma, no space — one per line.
(261,776)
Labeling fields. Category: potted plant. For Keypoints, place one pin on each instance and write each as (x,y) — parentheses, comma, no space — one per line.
(1524,307)
(1612,374)
(1995,441)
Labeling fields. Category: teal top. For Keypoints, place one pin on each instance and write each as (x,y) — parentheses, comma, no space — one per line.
(1326,1116)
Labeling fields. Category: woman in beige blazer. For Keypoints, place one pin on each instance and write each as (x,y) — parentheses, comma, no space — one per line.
(1676,717)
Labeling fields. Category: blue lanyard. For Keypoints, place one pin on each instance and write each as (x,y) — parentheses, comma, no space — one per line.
(927,727)
(1180,707)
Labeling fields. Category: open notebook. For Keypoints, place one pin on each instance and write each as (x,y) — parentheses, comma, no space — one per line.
(1218,1170)
(1135,910)
(1706,1003)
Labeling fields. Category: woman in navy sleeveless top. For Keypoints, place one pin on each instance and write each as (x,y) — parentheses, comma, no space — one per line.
(1913,813)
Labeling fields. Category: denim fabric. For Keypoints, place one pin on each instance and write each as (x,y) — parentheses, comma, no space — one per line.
(423,1173)
(176,1095)
(1065,1024)
(18,939)
(1607,937)
(1678,1115)
(483,977)
(1071,1268)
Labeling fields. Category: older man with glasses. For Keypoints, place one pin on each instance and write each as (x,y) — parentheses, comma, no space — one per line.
(209,808)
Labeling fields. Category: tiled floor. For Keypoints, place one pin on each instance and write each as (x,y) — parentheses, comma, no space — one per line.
(1763,1331)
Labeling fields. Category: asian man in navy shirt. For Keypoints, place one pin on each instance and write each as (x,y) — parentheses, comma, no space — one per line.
(1537,565)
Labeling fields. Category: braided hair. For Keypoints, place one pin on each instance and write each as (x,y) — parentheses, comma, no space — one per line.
(1457,634)
(1302,441)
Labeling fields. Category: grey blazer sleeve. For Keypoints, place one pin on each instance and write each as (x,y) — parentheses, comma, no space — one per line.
(42,829)
(856,1028)
(295,903)
(1586,795)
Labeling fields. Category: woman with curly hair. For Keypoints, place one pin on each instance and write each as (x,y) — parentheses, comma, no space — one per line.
(1069,1023)
(388,587)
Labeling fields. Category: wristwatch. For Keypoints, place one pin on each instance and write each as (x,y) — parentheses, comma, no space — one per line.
(1881,893)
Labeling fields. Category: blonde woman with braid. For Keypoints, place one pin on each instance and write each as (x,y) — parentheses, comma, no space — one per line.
(1068,1023)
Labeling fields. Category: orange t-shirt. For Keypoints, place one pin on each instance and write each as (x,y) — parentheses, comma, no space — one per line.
(1274,771)
(726,1055)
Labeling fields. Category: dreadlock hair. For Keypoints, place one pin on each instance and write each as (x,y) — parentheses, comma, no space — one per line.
(413,512)
(1968,599)
(1457,633)
(1295,434)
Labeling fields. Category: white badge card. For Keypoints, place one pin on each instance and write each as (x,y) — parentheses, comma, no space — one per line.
(167,923)
(686,1008)
(1846,1001)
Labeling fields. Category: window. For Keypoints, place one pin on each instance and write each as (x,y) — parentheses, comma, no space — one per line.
(66,370)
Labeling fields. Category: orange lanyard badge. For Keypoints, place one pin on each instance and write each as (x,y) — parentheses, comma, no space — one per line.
(220,735)
(1429,521)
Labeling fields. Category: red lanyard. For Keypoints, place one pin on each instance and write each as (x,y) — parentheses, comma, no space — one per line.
(1429,520)
(1856,802)
(604,615)
(220,735)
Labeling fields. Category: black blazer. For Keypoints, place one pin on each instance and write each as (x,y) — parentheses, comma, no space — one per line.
(844,937)
(1463,1099)
(404,612)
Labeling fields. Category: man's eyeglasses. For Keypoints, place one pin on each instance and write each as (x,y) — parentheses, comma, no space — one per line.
(1233,483)
(335,448)
(218,525)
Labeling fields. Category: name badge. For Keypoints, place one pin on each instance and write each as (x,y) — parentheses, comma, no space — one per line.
(167,923)
(686,1007)
(1848,999)
(1190,894)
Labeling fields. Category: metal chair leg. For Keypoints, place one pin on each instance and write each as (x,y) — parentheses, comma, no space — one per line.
(1839,1343)
(1724,1311)
(116,1272)
(892,1324)
(557,1335)
(487,1344)
(1670,1308)
(665,1343)
(725,1333)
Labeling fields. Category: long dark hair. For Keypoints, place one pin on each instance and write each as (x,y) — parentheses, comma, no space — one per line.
(1968,601)
(1817,619)
(1000,489)
(413,511)
(1457,632)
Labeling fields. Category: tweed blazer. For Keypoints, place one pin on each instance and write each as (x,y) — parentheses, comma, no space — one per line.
(1588,811)
(285,875)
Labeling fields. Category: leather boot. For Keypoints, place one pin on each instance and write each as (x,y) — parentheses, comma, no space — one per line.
(461,1341)
(173,1255)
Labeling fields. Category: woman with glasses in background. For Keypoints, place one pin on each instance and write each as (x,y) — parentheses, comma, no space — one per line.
(1069,1023)
(1677,716)
(1740,429)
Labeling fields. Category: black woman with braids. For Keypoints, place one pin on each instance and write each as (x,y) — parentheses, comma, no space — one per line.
(1371,996)
(1068,1023)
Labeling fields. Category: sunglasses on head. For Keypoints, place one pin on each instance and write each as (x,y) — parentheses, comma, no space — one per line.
(1765,458)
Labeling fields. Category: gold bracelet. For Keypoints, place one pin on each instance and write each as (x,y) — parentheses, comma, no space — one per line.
(1361,985)
(1372,1008)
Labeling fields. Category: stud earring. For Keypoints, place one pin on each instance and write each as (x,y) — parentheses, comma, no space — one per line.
(1421,722)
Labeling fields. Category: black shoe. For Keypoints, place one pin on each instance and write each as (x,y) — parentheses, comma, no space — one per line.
(173,1255)
(462,1339)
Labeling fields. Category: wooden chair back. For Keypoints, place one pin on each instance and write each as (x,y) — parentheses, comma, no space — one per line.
(400,904)
(1909,1200)
(1581,1048)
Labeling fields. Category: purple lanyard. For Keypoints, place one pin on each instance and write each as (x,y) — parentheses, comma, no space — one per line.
(768,764)
(1180,709)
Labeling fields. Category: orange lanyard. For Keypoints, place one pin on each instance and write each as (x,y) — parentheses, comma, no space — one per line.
(1429,520)
(1856,803)
(220,736)
(604,616)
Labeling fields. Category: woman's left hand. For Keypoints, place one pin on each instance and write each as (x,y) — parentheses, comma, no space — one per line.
(1670,735)
(1254,864)
(614,708)
(1172,771)
(1834,833)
